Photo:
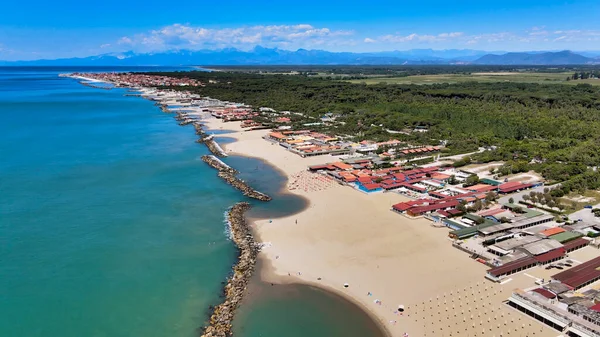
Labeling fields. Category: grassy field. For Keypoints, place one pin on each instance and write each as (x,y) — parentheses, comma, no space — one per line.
(532,77)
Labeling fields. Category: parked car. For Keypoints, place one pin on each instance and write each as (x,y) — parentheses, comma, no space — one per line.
(588,206)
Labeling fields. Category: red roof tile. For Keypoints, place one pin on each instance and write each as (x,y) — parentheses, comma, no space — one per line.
(512,266)
(576,243)
(551,255)
(552,231)
(580,274)
(371,187)
(429,208)
(545,293)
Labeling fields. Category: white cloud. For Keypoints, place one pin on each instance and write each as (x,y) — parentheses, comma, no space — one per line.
(124,40)
(180,36)
(291,37)
(414,37)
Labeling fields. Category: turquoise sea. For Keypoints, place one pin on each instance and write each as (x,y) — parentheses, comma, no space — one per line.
(111,225)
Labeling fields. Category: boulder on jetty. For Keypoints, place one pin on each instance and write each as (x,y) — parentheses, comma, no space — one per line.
(214,147)
(229,175)
(219,324)
(218,164)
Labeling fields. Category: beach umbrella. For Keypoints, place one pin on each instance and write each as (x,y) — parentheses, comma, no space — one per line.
(346,285)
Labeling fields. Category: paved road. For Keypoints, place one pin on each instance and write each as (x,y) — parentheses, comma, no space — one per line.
(459,156)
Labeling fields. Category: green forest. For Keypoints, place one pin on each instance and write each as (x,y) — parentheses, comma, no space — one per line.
(552,129)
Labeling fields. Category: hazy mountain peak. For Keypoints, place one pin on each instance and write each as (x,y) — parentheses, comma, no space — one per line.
(270,56)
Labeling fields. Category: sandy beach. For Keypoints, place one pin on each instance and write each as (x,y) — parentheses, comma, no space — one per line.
(387,260)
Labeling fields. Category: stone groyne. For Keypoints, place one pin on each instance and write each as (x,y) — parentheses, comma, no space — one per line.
(219,324)
(213,146)
(229,175)
(218,164)
(92,85)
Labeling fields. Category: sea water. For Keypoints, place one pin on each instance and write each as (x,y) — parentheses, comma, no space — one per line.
(111,225)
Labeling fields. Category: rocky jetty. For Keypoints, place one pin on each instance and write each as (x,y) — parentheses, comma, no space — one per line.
(214,147)
(229,175)
(163,107)
(218,164)
(198,127)
(219,324)
(92,85)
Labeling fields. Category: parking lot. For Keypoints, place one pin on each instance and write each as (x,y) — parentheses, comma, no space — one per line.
(586,216)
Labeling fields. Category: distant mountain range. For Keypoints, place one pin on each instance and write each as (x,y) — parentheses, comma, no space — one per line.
(548,58)
(268,56)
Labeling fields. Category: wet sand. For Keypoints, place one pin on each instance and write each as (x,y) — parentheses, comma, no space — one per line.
(387,260)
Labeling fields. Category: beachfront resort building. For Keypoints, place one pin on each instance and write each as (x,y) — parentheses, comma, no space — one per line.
(308,143)
(569,302)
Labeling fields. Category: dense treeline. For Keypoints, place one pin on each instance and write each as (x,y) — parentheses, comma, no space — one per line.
(553,129)
(400,70)
(584,75)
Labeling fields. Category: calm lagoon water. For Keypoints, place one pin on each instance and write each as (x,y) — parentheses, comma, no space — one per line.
(111,225)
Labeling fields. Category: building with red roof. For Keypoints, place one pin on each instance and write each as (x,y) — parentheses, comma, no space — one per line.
(342,166)
(371,186)
(511,268)
(481,188)
(552,231)
(551,256)
(513,186)
(575,244)
(417,211)
(581,275)
(547,294)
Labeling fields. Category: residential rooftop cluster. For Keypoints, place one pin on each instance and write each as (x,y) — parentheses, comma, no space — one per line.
(309,143)
(140,80)
(231,113)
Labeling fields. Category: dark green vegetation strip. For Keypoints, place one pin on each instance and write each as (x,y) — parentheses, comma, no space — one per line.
(552,129)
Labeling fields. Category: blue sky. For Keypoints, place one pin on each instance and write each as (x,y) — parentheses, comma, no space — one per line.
(43,29)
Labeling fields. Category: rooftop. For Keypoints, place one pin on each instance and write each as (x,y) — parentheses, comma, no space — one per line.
(519,241)
(580,274)
(566,236)
(542,246)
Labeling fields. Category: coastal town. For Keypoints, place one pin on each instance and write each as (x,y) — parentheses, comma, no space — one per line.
(535,261)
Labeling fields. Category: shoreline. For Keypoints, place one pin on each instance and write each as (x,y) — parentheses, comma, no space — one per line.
(388,261)
(396,270)
(266,270)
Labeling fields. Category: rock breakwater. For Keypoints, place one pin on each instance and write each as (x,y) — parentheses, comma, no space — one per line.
(92,85)
(213,146)
(219,324)
(229,175)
